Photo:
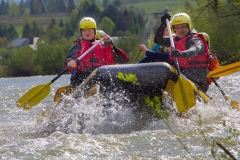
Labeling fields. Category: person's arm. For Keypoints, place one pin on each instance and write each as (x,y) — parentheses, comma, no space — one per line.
(154,55)
(72,54)
(145,60)
(195,46)
(159,38)
(159,56)
(122,57)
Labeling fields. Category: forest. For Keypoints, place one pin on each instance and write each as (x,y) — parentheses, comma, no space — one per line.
(217,18)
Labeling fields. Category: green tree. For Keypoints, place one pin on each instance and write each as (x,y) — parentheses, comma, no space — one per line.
(27,31)
(27,3)
(21,62)
(221,23)
(70,6)
(2,8)
(1,32)
(61,7)
(51,6)
(61,23)
(35,29)
(51,55)
(107,25)
(105,3)
(113,13)
(3,43)
(52,23)
(134,27)
(11,33)
(14,11)
(117,3)
(22,8)
(7,8)
(84,5)
(54,34)
(71,25)
(129,43)
(93,11)
(5,31)
(36,7)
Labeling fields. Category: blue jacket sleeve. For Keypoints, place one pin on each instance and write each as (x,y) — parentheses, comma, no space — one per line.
(145,60)
(164,57)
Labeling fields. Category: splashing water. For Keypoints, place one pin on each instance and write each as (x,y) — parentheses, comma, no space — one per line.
(112,127)
(99,115)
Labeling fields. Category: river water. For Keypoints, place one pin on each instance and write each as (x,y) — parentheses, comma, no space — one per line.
(35,133)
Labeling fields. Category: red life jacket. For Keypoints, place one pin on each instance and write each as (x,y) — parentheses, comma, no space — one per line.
(201,60)
(101,55)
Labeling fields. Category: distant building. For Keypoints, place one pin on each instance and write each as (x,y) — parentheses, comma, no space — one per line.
(22,42)
(34,45)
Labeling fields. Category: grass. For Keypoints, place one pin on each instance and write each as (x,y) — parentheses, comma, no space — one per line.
(153,6)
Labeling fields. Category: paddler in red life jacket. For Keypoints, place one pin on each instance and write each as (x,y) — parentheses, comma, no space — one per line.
(120,57)
(101,55)
(190,49)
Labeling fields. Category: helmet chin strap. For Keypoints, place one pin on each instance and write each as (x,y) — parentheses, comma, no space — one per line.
(92,40)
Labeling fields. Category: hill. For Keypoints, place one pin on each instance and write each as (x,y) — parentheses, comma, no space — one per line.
(154,6)
(41,19)
(144,6)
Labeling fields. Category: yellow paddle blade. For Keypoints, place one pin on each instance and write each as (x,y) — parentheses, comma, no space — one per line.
(203,95)
(225,70)
(63,90)
(235,105)
(34,96)
(183,94)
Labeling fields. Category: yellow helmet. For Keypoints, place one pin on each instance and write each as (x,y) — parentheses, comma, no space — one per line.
(181,18)
(99,33)
(207,38)
(88,22)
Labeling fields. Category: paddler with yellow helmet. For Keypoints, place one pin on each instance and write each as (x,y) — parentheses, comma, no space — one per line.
(190,48)
(101,55)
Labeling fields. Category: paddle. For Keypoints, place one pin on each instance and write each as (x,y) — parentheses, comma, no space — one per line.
(234,104)
(38,93)
(225,70)
(183,91)
(66,90)
(135,59)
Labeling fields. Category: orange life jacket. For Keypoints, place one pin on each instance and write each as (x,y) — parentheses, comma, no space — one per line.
(213,64)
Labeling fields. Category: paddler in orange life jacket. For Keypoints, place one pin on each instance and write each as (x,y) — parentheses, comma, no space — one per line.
(101,55)
(190,48)
(213,59)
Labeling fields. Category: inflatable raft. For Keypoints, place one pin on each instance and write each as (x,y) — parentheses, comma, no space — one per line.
(148,79)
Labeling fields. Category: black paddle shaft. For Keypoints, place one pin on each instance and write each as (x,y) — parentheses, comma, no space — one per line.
(60,74)
(215,82)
